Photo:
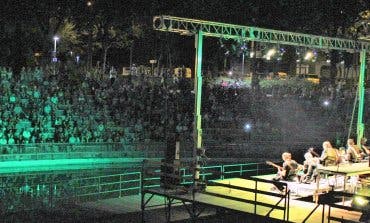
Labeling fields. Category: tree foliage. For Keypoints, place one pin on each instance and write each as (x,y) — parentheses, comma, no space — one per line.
(114,26)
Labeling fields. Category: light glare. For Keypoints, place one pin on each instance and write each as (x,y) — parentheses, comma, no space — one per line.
(308,56)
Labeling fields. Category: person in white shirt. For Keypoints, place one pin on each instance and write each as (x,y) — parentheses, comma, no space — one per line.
(310,164)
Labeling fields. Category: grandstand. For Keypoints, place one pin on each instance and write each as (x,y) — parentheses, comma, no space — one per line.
(61,135)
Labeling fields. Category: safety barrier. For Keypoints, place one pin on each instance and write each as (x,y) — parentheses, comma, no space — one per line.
(118,185)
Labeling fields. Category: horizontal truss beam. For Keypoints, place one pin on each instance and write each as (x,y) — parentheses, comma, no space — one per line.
(186,26)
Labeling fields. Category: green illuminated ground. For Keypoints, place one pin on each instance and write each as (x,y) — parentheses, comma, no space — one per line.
(28,166)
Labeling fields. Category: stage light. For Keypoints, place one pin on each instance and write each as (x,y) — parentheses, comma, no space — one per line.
(360,201)
(247,127)
(270,53)
(328,61)
(244,47)
(326,103)
(309,55)
(230,73)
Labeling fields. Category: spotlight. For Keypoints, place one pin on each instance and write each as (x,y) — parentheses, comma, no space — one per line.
(270,53)
(230,73)
(326,103)
(360,201)
(244,47)
(309,55)
(328,61)
(247,127)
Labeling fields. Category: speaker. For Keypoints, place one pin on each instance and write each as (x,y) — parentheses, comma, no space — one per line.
(172,149)
(170,169)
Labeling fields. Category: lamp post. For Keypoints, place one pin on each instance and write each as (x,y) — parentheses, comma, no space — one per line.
(89,5)
(243,48)
(56,38)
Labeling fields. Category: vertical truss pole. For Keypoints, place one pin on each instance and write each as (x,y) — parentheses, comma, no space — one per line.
(361,96)
(198,105)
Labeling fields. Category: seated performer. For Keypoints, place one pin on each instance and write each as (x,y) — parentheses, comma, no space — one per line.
(288,171)
(354,154)
(365,149)
(310,164)
(329,156)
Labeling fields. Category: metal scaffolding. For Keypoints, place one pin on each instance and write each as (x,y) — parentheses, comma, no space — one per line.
(201,28)
(186,26)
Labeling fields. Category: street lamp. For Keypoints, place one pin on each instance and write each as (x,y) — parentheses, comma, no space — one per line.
(244,49)
(56,38)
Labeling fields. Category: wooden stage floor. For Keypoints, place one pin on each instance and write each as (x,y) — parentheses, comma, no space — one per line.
(298,211)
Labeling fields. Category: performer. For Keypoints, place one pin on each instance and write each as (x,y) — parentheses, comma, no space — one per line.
(354,154)
(288,171)
(329,156)
(310,164)
(365,149)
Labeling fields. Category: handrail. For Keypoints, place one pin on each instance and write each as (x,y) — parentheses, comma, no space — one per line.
(133,180)
(106,186)
(328,199)
(74,147)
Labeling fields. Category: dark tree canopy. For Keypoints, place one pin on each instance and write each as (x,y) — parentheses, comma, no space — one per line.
(27,27)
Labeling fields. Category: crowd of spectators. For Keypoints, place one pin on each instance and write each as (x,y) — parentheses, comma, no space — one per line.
(44,106)
(291,109)
(48,106)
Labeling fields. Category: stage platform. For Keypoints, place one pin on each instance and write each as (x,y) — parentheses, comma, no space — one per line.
(216,198)
(299,210)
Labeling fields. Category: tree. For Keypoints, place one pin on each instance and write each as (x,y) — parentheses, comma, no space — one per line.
(108,35)
(69,35)
(30,27)
(360,29)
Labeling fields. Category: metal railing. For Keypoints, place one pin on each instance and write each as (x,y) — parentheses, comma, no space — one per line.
(30,192)
(118,185)
(40,151)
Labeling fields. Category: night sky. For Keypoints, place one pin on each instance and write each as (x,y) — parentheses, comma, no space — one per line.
(28,27)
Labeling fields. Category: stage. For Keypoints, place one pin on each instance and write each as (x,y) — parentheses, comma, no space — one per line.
(341,174)
(245,197)
(236,195)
